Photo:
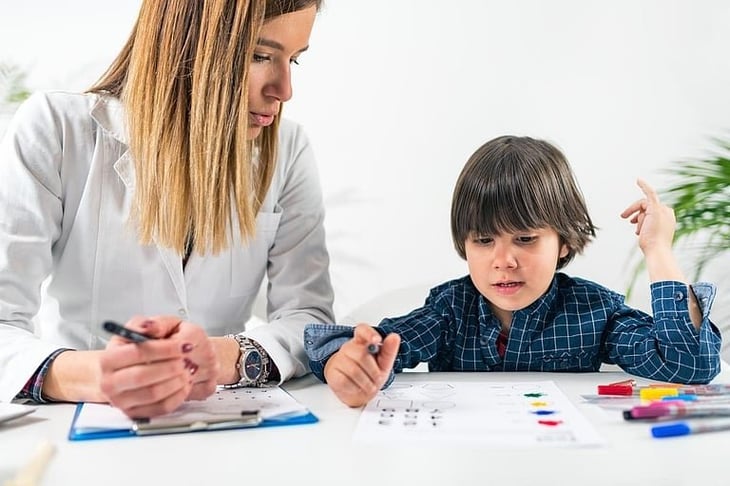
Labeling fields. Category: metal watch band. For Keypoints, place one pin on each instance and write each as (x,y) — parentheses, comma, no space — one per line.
(246,345)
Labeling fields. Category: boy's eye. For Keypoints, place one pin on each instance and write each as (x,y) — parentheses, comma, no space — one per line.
(261,58)
(526,239)
(294,60)
(483,240)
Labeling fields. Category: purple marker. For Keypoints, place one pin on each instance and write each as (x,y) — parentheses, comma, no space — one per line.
(658,410)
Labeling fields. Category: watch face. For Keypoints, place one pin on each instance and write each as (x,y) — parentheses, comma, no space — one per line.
(252,365)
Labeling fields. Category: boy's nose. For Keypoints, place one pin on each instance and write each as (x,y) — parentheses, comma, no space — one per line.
(503,257)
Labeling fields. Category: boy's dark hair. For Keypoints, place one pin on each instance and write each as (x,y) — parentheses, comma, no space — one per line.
(513,184)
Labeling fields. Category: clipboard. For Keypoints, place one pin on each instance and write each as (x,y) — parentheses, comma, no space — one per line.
(227,409)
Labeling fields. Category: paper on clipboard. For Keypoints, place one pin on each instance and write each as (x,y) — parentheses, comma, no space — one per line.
(225,409)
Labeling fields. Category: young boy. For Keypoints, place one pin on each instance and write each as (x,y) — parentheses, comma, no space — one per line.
(518,217)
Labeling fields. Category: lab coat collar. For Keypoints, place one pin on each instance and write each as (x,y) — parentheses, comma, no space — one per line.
(109,114)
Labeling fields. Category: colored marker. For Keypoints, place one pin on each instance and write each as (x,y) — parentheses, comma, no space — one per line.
(657,393)
(686,398)
(119,330)
(704,399)
(677,409)
(684,428)
(658,390)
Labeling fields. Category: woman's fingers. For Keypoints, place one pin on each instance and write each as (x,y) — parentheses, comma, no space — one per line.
(156,376)
(162,399)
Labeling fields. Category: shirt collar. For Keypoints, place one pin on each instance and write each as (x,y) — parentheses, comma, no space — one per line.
(109,114)
(540,306)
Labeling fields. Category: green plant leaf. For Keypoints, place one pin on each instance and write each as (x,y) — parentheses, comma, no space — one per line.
(12,84)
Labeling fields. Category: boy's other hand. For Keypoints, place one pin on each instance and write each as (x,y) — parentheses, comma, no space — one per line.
(355,374)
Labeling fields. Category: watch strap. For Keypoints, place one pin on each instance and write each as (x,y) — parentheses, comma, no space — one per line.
(246,345)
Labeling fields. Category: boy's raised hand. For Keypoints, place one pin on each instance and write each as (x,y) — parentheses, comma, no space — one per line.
(654,221)
(355,374)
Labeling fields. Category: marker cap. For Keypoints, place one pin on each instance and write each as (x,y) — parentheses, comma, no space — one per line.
(682,396)
(671,430)
(657,393)
(616,389)
(655,410)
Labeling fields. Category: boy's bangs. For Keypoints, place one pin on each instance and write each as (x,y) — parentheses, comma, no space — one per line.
(507,207)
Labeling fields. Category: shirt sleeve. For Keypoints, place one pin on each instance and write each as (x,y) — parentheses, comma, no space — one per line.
(667,347)
(321,341)
(34,387)
(299,287)
(426,336)
(30,223)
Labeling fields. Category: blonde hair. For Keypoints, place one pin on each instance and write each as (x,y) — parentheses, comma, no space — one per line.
(182,78)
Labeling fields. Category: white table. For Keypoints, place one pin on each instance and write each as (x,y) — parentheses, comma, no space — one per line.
(324,453)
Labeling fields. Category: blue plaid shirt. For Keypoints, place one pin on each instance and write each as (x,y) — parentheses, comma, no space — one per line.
(575,326)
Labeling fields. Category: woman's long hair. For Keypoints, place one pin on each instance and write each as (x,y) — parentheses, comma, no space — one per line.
(183,80)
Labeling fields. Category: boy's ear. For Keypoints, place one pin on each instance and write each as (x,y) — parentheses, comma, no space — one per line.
(564,250)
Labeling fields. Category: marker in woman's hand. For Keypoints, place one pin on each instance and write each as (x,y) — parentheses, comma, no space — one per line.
(128,334)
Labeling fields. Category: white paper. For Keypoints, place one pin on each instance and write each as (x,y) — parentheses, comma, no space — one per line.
(271,402)
(9,411)
(498,414)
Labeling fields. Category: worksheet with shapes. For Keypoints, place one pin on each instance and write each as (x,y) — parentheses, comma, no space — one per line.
(500,414)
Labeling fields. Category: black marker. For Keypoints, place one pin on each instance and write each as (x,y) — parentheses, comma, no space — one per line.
(119,330)
(374,349)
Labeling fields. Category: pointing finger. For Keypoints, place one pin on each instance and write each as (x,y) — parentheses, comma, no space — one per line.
(648,190)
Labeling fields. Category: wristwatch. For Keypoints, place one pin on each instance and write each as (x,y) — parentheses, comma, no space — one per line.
(253,364)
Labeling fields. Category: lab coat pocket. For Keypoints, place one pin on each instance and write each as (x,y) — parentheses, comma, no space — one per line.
(249,259)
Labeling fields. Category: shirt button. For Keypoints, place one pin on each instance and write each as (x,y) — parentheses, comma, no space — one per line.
(678,296)
(484,340)
(182,312)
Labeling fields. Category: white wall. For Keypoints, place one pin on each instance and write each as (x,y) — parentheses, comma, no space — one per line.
(396,94)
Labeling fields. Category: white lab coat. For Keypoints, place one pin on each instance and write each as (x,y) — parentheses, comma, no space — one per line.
(66,185)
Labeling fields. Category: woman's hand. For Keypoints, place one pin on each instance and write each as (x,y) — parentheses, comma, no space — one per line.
(155,377)
(204,361)
(355,374)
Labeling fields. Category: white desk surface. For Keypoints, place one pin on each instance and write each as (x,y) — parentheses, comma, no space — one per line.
(324,453)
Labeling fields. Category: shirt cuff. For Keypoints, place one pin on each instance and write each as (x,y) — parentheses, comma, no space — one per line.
(322,341)
(34,386)
(671,298)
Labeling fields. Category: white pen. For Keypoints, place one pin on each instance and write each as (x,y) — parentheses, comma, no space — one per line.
(32,472)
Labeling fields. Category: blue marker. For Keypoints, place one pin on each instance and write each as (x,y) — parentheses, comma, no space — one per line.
(685,428)
(684,398)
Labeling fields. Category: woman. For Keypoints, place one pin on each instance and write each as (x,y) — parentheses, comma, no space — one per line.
(160,199)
